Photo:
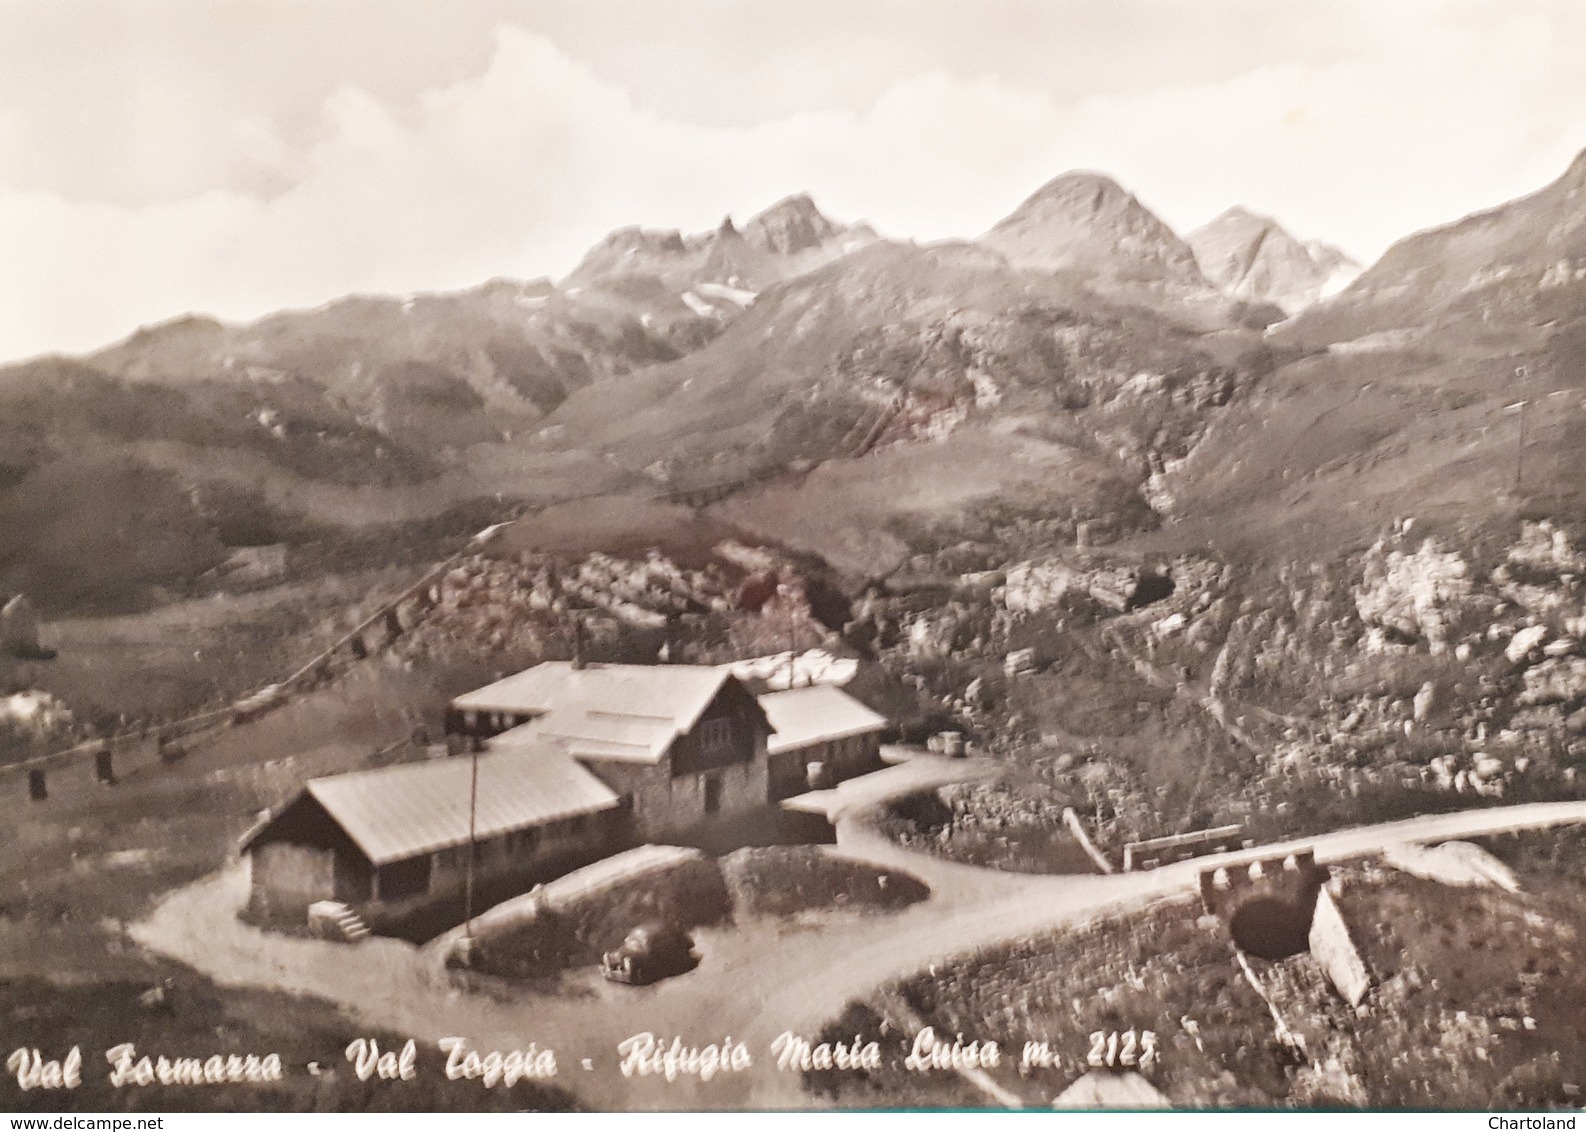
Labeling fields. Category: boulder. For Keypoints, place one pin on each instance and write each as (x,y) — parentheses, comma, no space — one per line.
(1544,548)
(1019,662)
(1561,680)
(1521,644)
(1034,586)
(1456,863)
(19,631)
(1548,717)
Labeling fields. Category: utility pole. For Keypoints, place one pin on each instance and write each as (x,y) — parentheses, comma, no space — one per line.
(1519,451)
(473,810)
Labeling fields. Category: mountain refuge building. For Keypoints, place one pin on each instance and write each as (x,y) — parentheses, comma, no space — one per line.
(553,768)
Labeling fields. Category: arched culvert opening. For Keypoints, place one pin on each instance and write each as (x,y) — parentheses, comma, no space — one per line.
(1150,589)
(1271,928)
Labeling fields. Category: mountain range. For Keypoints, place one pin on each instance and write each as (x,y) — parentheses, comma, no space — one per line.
(824,386)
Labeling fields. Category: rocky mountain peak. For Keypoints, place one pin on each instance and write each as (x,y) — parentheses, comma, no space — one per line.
(1239,218)
(1087,223)
(1254,258)
(1080,191)
(657,242)
(790,225)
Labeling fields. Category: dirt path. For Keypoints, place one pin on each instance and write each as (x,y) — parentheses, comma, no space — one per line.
(756,979)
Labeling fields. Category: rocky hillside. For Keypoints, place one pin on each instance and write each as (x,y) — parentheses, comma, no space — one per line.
(1411,675)
(306,425)
(914,355)
(722,603)
(457,368)
(1520,264)
(725,265)
(865,400)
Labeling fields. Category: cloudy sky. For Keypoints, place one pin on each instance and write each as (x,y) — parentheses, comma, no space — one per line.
(238,156)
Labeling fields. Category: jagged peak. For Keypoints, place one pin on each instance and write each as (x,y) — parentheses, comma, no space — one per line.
(790,225)
(799,204)
(650,239)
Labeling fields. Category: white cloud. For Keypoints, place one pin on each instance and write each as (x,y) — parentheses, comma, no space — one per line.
(519,168)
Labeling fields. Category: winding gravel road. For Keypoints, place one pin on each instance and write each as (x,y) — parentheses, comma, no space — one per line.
(756,979)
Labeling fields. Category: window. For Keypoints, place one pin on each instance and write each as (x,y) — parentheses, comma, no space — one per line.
(712,743)
(715,734)
(401,879)
(712,793)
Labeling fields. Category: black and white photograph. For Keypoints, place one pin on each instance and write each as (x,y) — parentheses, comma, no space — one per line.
(782,555)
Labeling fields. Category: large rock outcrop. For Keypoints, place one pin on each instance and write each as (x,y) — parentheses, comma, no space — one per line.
(19,631)
(1413,596)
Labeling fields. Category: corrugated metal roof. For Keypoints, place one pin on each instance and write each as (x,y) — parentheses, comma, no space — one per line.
(675,692)
(402,811)
(581,732)
(816,715)
(603,734)
(626,712)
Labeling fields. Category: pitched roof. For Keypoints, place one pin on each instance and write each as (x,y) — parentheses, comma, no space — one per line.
(676,692)
(624,712)
(590,733)
(402,811)
(818,714)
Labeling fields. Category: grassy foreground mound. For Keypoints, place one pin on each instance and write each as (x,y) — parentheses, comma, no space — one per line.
(572,922)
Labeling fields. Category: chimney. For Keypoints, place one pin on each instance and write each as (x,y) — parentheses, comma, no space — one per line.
(673,643)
